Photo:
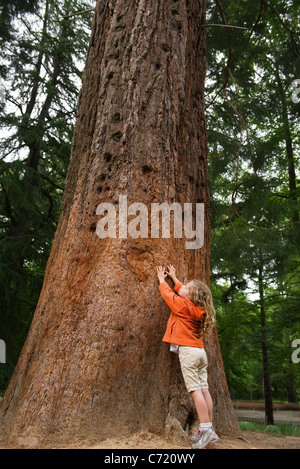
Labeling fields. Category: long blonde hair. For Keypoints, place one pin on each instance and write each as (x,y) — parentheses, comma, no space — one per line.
(200,295)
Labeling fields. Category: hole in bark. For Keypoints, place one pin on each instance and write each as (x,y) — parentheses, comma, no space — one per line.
(120,27)
(107,157)
(175,10)
(117,136)
(93,227)
(177,25)
(165,47)
(116,117)
(99,189)
(146,169)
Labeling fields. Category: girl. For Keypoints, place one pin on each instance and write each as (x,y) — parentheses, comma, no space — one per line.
(192,318)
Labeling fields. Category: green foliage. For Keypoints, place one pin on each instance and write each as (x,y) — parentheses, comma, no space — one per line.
(10,10)
(278,429)
(253,135)
(43,57)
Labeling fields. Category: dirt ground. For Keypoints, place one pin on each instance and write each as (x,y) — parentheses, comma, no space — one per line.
(251,440)
(145,440)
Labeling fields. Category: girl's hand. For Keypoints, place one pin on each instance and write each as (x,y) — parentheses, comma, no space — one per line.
(172,271)
(161,274)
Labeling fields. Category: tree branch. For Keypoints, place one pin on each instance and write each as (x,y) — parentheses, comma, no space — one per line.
(229,26)
(227,68)
(258,18)
(76,14)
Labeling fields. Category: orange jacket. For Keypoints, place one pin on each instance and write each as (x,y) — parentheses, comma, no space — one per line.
(183,326)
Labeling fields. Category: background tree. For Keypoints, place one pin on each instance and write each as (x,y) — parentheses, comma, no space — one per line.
(253,137)
(41,69)
(9,11)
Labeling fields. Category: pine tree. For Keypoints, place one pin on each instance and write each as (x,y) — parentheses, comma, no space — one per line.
(41,71)
(252,130)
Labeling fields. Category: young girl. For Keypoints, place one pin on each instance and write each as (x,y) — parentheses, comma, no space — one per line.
(192,318)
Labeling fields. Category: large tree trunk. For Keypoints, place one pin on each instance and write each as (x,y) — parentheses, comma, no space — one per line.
(94,363)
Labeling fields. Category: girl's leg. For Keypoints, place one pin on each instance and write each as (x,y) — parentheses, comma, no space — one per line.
(202,408)
(209,402)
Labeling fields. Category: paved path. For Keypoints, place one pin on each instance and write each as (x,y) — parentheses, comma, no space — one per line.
(280,416)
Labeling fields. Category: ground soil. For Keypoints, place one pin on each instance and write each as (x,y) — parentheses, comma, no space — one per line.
(251,440)
(147,440)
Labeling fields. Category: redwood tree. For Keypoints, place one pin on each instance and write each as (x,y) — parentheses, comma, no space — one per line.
(94,363)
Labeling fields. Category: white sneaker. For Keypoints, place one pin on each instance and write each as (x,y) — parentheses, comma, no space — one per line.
(196,437)
(206,439)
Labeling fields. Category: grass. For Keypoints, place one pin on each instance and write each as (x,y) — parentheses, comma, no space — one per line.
(279,429)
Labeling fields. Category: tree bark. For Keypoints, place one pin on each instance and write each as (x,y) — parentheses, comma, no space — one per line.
(290,157)
(94,363)
(269,417)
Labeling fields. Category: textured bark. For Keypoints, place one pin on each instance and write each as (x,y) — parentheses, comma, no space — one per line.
(93,362)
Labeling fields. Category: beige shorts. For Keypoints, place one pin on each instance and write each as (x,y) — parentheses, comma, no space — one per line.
(193,362)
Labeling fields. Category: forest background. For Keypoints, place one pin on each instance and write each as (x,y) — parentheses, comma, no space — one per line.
(252,110)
